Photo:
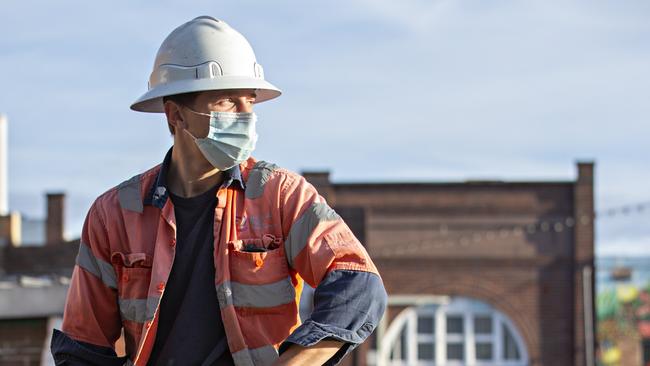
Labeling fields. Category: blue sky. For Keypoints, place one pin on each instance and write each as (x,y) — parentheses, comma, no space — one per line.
(374,90)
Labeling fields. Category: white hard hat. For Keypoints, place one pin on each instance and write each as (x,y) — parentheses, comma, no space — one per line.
(204,54)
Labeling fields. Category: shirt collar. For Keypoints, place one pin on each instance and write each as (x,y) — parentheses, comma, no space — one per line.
(159,193)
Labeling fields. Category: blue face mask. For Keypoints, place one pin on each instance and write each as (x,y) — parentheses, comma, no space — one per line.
(230,140)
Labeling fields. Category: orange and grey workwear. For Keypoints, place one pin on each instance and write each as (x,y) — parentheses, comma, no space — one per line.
(271,234)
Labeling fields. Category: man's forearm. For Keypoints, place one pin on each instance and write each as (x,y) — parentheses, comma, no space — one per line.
(317,354)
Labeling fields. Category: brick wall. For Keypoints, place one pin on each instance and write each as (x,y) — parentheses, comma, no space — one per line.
(22,341)
(486,241)
(530,292)
(55,259)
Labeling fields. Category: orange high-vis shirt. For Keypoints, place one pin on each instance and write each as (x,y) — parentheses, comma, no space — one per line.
(128,245)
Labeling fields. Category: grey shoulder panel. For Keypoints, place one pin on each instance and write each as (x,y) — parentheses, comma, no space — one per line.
(96,266)
(302,229)
(129,196)
(258,177)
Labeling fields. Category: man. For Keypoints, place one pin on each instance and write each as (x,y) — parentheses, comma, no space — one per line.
(201,260)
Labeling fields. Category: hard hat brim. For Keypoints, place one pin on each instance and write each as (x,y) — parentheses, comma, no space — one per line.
(151,101)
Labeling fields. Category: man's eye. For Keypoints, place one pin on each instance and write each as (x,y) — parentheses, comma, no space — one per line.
(226,102)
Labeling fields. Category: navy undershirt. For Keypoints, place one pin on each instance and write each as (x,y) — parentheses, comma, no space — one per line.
(190,329)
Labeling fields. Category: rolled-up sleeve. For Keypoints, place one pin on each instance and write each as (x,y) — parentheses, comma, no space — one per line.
(91,316)
(69,352)
(349,297)
(347,307)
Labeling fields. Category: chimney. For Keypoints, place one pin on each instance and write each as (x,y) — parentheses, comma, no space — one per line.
(10,229)
(583,280)
(4,190)
(54,221)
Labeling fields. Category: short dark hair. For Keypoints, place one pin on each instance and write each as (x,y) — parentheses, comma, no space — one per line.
(186,99)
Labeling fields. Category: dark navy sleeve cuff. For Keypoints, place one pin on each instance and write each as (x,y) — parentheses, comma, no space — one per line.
(310,333)
(69,352)
(347,308)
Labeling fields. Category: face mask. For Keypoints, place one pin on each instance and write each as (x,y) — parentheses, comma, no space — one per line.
(230,140)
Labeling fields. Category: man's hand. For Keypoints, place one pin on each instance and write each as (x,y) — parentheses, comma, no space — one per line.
(317,354)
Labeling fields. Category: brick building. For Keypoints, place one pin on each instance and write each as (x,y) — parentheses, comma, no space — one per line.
(478,273)
(34,279)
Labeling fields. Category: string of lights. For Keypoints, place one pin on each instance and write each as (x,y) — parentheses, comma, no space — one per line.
(448,238)
(625,210)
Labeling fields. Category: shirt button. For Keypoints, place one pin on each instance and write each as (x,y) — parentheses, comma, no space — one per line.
(161,287)
(125,277)
(173,243)
(259,262)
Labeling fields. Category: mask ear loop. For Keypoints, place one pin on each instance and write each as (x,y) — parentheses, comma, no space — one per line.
(189,133)
(195,112)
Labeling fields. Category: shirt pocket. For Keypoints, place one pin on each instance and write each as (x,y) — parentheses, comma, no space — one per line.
(133,274)
(259,274)
(257,261)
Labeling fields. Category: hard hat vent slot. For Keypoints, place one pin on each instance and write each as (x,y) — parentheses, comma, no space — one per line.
(215,69)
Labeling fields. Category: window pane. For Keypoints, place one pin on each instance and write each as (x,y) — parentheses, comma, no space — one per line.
(484,351)
(455,351)
(426,351)
(454,324)
(426,324)
(403,344)
(398,352)
(510,350)
(483,325)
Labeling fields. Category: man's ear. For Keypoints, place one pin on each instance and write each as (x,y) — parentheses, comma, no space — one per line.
(174,116)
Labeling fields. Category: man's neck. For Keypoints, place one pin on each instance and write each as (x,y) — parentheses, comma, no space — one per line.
(190,174)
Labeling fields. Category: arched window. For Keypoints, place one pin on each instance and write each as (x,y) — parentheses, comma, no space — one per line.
(460,332)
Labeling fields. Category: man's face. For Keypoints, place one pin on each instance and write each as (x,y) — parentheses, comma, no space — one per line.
(236,100)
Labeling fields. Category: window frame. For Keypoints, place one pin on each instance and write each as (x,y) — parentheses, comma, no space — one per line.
(468,309)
